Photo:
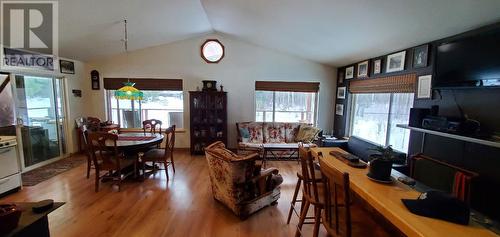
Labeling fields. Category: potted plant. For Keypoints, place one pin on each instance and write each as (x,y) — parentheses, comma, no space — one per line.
(381,163)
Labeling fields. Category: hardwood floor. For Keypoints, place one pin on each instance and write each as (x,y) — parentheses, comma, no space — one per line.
(183,207)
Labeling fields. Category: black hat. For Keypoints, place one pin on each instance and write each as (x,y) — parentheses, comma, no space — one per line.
(437,204)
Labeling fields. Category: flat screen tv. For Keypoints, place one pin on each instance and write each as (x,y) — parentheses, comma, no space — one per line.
(469,62)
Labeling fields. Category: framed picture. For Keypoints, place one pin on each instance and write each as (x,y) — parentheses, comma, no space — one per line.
(363,69)
(66,67)
(424,90)
(339,109)
(377,66)
(341,77)
(396,62)
(349,72)
(341,92)
(420,56)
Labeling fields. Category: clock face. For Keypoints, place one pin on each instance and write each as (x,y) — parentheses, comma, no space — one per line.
(209,84)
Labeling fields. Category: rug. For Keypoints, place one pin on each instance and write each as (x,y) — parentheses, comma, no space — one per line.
(43,173)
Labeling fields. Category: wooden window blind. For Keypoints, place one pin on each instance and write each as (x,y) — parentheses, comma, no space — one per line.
(287,86)
(392,84)
(145,84)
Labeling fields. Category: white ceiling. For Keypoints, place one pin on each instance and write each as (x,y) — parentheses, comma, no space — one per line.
(335,32)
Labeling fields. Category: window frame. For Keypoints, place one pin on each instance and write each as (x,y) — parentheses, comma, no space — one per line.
(350,120)
(314,112)
(109,108)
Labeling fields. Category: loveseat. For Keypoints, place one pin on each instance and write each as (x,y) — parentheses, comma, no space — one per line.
(252,136)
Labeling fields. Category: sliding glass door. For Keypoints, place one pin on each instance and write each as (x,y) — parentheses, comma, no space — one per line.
(40,110)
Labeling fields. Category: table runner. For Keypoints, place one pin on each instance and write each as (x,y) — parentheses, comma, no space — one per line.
(135,138)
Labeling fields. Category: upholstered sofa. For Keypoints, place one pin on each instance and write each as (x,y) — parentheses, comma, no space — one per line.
(239,183)
(252,136)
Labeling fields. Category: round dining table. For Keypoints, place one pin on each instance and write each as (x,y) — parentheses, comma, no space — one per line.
(129,142)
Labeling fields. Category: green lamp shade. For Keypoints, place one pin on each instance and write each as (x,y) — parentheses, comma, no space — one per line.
(129,92)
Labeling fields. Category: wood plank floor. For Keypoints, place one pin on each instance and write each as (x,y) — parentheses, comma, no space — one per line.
(183,207)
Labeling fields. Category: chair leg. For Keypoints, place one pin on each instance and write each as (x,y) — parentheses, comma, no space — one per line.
(172,161)
(317,221)
(88,168)
(294,200)
(166,169)
(303,215)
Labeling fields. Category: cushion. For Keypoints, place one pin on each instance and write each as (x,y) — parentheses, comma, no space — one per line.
(254,130)
(307,133)
(291,130)
(274,132)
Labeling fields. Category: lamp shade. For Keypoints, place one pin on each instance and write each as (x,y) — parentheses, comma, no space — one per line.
(128,92)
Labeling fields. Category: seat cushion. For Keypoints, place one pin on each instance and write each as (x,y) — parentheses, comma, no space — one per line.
(255,133)
(291,130)
(274,132)
(307,133)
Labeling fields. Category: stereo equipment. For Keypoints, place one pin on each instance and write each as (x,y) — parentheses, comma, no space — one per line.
(417,115)
(450,125)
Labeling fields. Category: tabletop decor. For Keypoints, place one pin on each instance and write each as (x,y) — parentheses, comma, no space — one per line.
(381,163)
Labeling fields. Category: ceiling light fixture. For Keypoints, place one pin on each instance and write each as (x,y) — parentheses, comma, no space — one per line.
(128,91)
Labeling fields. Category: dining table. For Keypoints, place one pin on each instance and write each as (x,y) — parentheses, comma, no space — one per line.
(133,142)
(385,198)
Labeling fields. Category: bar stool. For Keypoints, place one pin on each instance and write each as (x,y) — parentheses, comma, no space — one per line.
(300,178)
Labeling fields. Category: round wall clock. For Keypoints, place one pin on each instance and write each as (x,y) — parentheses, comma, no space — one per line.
(212,51)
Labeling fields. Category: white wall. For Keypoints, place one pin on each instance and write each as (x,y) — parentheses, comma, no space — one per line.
(242,65)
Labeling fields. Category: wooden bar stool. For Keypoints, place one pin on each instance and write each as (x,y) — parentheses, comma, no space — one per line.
(295,200)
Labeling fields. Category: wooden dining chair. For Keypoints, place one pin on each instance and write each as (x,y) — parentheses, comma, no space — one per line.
(107,157)
(151,126)
(85,134)
(342,216)
(162,155)
(312,190)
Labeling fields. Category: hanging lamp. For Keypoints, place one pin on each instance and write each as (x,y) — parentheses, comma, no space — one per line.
(128,91)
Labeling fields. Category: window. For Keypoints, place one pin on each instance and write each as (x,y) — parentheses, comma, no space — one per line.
(212,51)
(166,106)
(374,117)
(285,106)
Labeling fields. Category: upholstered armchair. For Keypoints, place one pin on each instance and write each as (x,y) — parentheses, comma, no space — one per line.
(239,183)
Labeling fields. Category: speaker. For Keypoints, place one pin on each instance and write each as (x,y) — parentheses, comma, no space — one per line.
(417,115)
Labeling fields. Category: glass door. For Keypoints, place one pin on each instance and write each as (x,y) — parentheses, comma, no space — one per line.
(39,102)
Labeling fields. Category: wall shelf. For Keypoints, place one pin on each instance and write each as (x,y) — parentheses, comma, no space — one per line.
(453,136)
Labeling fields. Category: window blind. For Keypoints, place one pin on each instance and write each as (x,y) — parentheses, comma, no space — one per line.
(144,84)
(392,84)
(287,86)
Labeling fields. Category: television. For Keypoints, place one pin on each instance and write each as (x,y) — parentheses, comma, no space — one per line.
(470,62)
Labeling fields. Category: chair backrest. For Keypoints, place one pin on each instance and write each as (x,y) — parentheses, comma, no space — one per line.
(85,135)
(308,174)
(169,140)
(336,184)
(151,126)
(103,148)
(93,124)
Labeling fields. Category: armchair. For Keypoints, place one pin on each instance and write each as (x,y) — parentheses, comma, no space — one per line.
(239,183)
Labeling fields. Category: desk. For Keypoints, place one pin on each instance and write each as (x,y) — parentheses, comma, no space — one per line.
(386,199)
(33,224)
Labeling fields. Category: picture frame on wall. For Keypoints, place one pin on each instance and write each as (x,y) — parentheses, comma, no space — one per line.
(349,72)
(377,66)
(363,69)
(424,87)
(339,109)
(66,67)
(341,91)
(341,77)
(420,56)
(396,62)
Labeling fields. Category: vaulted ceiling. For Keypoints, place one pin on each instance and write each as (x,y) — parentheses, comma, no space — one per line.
(334,32)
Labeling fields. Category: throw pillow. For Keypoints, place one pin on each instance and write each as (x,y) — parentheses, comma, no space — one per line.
(306,133)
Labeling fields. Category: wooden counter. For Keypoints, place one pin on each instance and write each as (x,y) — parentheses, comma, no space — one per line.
(386,199)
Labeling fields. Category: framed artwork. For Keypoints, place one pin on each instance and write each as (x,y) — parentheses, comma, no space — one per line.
(424,89)
(66,67)
(363,69)
(396,62)
(341,77)
(377,66)
(341,92)
(339,109)
(349,72)
(420,56)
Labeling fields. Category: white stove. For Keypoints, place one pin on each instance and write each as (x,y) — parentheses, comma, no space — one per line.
(10,171)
